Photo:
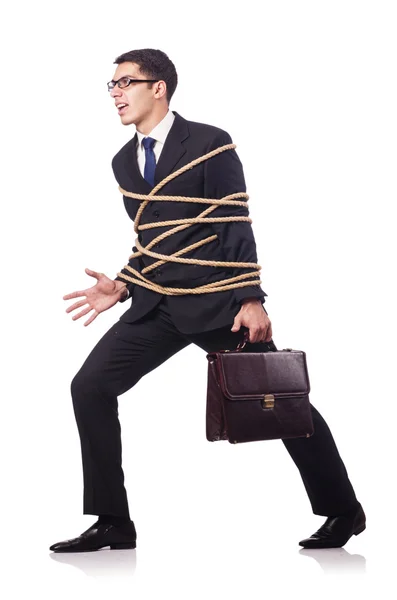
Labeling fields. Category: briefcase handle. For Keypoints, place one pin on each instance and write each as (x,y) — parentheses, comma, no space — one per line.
(245,341)
(242,343)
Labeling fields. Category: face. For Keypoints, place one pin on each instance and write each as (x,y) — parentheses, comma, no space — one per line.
(140,100)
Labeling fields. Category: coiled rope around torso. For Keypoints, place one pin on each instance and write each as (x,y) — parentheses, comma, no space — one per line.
(180,224)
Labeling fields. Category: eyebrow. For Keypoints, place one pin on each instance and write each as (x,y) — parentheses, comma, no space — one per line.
(131,76)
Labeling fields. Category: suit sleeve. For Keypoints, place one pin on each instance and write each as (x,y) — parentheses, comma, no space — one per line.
(223,175)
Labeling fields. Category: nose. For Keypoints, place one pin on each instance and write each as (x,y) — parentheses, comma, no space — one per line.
(116,91)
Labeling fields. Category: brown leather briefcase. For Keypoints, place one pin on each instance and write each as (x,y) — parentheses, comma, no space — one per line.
(254,396)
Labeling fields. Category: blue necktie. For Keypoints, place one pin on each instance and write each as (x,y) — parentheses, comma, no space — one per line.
(150,159)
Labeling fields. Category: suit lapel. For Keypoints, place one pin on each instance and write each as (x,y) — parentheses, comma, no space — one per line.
(136,182)
(173,148)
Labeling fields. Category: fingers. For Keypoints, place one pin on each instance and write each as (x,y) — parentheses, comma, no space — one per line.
(74,295)
(80,293)
(256,335)
(269,334)
(237,324)
(93,273)
(90,320)
(82,313)
(76,305)
(259,334)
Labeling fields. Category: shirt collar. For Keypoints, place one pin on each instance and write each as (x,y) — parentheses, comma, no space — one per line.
(160,131)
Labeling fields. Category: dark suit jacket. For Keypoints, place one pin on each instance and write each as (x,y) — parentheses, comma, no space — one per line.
(213,178)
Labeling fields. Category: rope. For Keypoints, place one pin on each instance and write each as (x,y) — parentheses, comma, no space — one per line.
(179,225)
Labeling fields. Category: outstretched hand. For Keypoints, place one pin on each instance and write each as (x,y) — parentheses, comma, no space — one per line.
(103,295)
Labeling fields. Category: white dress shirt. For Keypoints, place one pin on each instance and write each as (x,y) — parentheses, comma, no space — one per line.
(159,133)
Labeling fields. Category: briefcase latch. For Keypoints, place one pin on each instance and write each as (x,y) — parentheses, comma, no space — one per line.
(268,401)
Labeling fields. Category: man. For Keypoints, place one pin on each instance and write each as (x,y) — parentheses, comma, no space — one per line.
(157,325)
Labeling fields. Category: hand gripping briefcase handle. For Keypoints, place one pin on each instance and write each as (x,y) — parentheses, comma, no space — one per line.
(253,396)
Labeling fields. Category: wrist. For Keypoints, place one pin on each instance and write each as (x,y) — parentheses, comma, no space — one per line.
(124,293)
(120,284)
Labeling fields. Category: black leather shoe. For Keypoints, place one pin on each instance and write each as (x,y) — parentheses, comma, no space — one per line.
(336,531)
(98,536)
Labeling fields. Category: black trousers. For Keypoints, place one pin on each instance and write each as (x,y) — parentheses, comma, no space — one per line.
(128,351)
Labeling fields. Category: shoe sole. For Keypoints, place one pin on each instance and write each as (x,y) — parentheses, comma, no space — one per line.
(115,546)
(123,546)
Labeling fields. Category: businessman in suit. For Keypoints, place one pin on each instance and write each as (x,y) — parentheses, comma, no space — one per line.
(156,325)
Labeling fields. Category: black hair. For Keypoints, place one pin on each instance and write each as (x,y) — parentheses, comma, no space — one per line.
(154,64)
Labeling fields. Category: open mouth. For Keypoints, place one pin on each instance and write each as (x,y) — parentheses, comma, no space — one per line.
(122,109)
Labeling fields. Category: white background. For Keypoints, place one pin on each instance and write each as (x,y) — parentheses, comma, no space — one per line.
(307,90)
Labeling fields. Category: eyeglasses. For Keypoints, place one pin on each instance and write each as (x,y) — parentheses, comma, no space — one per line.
(124,82)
